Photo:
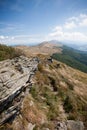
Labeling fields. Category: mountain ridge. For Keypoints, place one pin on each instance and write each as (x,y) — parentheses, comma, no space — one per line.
(58,93)
(58,51)
(45,48)
(54,98)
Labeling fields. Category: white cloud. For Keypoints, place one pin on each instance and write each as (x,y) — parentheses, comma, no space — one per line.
(73,19)
(3,37)
(57,28)
(71,30)
(22,39)
(83,16)
(57,31)
(75,36)
(83,22)
(70,25)
(68,36)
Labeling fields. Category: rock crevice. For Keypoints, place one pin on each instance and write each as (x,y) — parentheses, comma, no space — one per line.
(15,78)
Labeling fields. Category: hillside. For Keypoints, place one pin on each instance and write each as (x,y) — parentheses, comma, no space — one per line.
(61,91)
(73,58)
(45,48)
(40,93)
(7,52)
(65,54)
(56,95)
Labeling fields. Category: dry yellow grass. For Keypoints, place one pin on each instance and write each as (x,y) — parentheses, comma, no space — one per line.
(31,112)
(59,93)
(45,48)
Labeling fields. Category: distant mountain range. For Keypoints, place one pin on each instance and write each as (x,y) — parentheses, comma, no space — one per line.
(45,48)
(72,57)
(66,54)
(77,46)
(80,47)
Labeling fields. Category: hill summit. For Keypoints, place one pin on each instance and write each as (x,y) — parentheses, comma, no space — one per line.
(45,48)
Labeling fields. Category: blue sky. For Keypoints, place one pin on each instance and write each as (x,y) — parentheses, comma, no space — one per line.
(34,21)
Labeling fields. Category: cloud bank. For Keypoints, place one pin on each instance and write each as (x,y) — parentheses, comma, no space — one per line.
(74,29)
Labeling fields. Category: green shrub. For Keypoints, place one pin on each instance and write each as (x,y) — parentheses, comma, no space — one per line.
(68,105)
(40,67)
(53,83)
(34,92)
(72,116)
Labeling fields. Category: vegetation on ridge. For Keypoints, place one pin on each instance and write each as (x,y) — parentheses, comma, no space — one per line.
(73,58)
(58,94)
(7,52)
(55,90)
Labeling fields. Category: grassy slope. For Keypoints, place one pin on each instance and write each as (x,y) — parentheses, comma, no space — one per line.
(59,84)
(73,58)
(56,85)
(8,52)
(58,93)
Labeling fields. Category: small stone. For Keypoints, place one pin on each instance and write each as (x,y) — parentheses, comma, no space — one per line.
(30,126)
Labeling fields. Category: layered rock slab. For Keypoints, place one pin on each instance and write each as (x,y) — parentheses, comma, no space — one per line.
(15,77)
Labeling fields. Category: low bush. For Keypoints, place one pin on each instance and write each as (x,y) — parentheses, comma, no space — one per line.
(68,105)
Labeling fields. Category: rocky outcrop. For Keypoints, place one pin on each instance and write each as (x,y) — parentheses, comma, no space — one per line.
(15,81)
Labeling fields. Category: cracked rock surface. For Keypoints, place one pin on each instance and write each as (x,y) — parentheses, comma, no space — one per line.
(15,78)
